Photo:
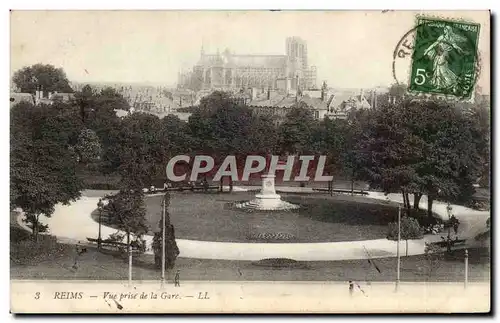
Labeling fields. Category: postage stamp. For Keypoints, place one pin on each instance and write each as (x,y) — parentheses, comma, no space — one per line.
(444,57)
(238,162)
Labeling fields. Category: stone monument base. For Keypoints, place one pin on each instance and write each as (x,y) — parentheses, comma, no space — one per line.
(267,200)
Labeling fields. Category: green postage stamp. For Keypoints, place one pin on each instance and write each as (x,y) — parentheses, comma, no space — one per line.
(445,57)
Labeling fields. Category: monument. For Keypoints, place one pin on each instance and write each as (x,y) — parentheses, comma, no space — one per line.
(267,200)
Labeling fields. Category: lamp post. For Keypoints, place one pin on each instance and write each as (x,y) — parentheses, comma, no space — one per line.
(100,206)
(466,280)
(163,241)
(448,243)
(398,269)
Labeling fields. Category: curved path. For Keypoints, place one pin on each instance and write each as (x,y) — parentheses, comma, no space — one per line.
(73,223)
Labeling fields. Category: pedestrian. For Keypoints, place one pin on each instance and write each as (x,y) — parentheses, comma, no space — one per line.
(177,278)
(455,223)
(351,287)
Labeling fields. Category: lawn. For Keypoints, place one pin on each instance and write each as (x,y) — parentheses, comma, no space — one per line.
(51,260)
(100,266)
(321,218)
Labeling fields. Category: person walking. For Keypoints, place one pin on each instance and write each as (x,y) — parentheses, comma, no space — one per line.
(177,278)
(351,287)
(455,223)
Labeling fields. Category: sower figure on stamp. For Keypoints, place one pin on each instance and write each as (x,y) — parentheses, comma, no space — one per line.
(443,77)
(177,278)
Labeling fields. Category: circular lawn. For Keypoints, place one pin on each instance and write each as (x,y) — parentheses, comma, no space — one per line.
(321,218)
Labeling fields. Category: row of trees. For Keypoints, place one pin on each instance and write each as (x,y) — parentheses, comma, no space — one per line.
(411,146)
(50,145)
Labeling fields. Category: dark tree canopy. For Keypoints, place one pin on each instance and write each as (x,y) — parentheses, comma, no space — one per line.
(128,210)
(42,165)
(222,126)
(424,147)
(171,248)
(39,76)
(296,131)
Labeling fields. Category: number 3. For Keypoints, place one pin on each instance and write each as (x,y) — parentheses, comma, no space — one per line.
(420,76)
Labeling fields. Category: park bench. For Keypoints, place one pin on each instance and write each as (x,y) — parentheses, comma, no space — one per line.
(343,191)
(454,244)
(187,188)
(180,187)
(115,245)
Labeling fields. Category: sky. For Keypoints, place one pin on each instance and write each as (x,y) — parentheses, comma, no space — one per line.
(351,49)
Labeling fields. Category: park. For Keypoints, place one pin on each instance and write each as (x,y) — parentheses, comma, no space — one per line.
(392,196)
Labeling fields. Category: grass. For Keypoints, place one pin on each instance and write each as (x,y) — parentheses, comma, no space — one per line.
(322,218)
(94,265)
(53,260)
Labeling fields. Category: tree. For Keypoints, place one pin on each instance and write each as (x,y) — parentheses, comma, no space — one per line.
(140,150)
(410,230)
(88,146)
(296,131)
(171,248)
(86,101)
(109,100)
(42,166)
(223,127)
(433,255)
(329,138)
(129,213)
(421,147)
(39,76)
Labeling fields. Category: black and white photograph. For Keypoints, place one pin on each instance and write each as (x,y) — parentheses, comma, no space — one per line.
(250,161)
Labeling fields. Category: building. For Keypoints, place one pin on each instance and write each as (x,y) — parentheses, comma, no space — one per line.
(276,104)
(322,103)
(40,97)
(230,72)
(16,98)
(342,102)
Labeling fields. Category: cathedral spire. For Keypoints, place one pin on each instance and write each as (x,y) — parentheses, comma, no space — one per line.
(202,51)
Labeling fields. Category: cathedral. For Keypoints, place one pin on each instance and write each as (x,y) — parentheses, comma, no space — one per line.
(231,72)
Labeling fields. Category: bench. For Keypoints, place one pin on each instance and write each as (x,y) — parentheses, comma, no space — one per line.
(343,191)
(185,188)
(119,246)
(454,244)
(114,245)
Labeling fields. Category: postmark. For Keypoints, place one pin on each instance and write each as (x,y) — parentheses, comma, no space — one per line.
(444,59)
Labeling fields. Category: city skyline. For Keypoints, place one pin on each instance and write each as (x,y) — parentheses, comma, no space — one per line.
(97,46)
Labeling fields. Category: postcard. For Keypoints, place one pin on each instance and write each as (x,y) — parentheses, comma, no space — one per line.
(250,162)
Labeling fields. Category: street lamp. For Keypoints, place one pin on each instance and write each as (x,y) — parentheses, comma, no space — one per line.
(100,206)
(448,211)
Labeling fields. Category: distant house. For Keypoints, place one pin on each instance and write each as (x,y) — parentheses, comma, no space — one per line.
(40,97)
(16,98)
(60,96)
(343,102)
(277,104)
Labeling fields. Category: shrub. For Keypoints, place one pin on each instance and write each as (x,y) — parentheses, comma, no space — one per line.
(267,236)
(434,229)
(29,252)
(101,186)
(18,234)
(280,263)
(410,230)
(116,237)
